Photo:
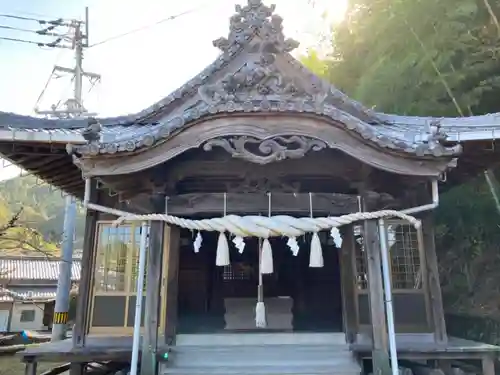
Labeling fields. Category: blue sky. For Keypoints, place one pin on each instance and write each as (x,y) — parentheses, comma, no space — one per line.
(137,69)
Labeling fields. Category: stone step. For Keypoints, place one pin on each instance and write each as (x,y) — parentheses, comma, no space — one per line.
(263,338)
(268,354)
(264,370)
(261,354)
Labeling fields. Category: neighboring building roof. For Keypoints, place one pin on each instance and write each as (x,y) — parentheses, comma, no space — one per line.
(36,269)
(32,294)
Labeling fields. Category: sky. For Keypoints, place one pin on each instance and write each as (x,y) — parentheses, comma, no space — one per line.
(137,69)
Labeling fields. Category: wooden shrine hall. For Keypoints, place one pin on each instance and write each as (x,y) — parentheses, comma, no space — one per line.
(256,133)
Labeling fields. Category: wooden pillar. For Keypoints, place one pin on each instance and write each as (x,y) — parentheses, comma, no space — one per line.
(30,368)
(77,369)
(435,297)
(87,266)
(153,288)
(380,354)
(488,364)
(348,283)
(171,280)
(371,243)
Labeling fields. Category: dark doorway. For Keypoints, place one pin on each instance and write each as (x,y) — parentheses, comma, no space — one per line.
(205,290)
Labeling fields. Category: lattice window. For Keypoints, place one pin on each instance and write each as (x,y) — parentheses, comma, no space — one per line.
(237,271)
(113,247)
(404,255)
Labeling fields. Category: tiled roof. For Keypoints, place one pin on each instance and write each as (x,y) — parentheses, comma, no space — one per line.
(28,294)
(129,132)
(35,269)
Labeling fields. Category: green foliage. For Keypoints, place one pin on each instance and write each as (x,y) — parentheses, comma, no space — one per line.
(432,58)
(39,227)
(467,234)
(414,56)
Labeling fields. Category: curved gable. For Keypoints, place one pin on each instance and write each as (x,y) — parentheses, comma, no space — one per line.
(275,137)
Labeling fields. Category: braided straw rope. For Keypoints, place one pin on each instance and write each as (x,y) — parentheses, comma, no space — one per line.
(265,227)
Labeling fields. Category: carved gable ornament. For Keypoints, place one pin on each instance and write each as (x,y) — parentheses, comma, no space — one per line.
(256,19)
(258,82)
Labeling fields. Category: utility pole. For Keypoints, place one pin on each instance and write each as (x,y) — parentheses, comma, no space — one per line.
(73,108)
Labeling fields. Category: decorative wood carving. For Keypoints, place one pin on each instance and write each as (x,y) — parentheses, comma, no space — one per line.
(268,150)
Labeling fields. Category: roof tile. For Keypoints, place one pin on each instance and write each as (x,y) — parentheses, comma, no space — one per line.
(35,269)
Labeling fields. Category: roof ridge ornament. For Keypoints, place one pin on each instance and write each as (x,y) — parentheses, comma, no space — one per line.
(256,19)
(92,132)
(435,139)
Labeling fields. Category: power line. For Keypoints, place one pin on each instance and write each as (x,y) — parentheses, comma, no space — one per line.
(32,14)
(170,18)
(44,32)
(39,44)
(18,17)
(49,30)
(56,22)
(16,29)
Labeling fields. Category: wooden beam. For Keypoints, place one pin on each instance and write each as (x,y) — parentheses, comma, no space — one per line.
(153,287)
(46,164)
(88,262)
(257,203)
(348,283)
(171,280)
(336,164)
(435,297)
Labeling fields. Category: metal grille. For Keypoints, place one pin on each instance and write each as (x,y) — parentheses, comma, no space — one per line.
(404,255)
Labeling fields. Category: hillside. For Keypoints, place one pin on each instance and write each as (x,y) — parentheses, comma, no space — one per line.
(42,211)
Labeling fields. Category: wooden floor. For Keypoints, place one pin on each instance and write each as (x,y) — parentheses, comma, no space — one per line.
(415,348)
(99,348)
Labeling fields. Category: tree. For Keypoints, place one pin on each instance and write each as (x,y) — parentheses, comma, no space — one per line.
(41,219)
(427,57)
(418,57)
(16,236)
